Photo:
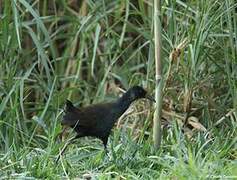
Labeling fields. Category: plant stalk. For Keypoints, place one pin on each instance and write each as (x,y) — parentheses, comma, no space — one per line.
(157,134)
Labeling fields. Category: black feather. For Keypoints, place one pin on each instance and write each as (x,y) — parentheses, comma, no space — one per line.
(69,106)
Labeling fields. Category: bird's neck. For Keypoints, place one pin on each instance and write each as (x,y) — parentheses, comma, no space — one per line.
(123,103)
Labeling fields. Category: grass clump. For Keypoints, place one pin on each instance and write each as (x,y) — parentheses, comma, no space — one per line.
(54,50)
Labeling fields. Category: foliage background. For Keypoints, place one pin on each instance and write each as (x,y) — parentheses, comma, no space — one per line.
(86,51)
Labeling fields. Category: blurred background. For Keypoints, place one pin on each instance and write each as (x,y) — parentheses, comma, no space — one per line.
(90,51)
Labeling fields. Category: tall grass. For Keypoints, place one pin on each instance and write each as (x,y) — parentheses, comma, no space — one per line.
(84,51)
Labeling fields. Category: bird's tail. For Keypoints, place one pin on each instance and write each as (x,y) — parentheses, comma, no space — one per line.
(69,106)
(71,114)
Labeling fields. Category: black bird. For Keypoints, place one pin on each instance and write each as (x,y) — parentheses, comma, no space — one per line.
(97,120)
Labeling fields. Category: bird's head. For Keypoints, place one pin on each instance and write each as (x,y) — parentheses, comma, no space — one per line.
(137,92)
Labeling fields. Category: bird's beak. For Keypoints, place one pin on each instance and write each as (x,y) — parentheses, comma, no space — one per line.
(150,98)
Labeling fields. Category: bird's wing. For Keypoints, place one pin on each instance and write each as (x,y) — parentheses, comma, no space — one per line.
(94,115)
(89,116)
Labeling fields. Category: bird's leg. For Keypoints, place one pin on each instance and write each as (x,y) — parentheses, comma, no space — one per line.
(105,140)
(66,145)
(61,134)
(106,150)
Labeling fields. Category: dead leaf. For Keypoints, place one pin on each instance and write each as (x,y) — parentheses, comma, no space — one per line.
(193,121)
